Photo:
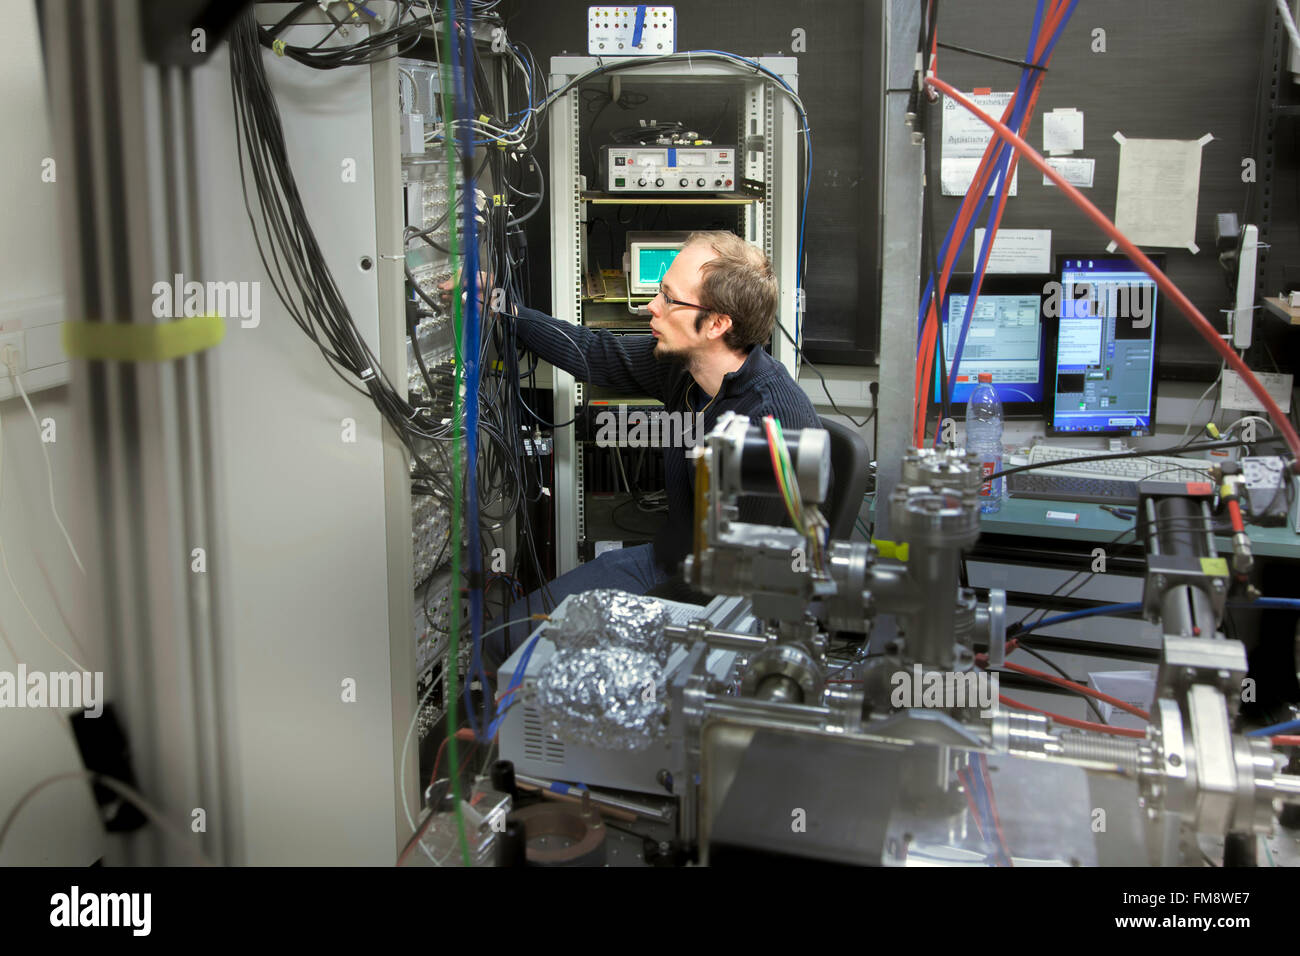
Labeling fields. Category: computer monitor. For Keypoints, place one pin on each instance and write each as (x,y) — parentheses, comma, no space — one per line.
(1105,312)
(649,256)
(1006,338)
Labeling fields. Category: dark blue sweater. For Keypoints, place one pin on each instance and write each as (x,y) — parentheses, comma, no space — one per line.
(626,363)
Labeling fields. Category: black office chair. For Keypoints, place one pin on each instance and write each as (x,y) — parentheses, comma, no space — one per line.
(850,474)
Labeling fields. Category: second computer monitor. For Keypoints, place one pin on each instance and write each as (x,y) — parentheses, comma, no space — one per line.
(1005,338)
(1105,313)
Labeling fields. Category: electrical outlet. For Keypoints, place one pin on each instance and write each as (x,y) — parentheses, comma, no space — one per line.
(34,327)
(17,341)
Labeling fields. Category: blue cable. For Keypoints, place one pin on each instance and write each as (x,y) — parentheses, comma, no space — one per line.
(942,253)
(1127,608)
(1028,80)
(1282,728)
(981,801)
(983,805)
(1266,603)
(470,358)
(1001,158)
(1002,853)
(523,114)
(516,684)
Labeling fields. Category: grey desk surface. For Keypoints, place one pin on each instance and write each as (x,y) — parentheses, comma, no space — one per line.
(1028,517)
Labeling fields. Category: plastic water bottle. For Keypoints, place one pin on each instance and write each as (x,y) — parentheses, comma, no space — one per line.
(984,438)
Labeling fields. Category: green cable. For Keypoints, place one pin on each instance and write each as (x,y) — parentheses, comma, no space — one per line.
(772,443)
(453,649)
(795,504)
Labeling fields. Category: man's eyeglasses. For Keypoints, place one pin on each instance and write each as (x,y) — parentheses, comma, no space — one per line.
(671,301)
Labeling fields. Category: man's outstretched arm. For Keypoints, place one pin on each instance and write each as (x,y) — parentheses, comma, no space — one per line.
(622,362)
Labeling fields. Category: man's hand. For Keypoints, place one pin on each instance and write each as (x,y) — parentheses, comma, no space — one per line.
(489,298)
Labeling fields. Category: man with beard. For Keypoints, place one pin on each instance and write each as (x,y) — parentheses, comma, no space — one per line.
(715,310)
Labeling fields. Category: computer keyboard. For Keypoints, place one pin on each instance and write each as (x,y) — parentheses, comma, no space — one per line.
(1131,470)
(1062,487)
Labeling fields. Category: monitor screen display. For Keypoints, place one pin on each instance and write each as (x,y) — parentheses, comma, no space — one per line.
(652,265)
(1106,314)
(1006,338)
(649,256)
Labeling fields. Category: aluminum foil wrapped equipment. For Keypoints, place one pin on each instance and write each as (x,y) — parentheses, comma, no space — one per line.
(605,684)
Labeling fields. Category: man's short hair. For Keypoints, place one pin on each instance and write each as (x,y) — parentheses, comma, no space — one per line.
(738,282)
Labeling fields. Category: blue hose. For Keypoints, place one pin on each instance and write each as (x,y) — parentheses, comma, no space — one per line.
(1076,615)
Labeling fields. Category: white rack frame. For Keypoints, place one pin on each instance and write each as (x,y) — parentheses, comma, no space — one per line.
(771,222)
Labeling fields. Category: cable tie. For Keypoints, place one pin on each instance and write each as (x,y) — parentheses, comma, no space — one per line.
(278,47)
(367,373)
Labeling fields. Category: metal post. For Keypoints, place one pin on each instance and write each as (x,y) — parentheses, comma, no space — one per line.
(904,180)
(123,132)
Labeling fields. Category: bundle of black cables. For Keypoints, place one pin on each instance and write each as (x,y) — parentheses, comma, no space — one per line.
(287,244)
(373,49)
(305,286)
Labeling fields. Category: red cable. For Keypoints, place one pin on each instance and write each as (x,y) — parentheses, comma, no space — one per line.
(934,54)
(1234,513)
(930,331)
(993,808)
(970,802)
(976,189)
(463,734)
(1286,740)
(1081,688)
(433,810)
(1180,301)
(1072,722)
(437,761)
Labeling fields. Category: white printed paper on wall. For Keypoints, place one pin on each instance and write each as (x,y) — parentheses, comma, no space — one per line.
(1159,181)
(1062,132)
(1236,394)
(1075,170)
(964,139)
(1016,250)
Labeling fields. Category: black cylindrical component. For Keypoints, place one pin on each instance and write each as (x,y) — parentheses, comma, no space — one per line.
(756,474)
(1289,816)
(1180,527)
(811,471)
(1239,849)
(503,777)
(512,844)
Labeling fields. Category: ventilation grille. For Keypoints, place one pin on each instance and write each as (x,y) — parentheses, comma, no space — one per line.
(538,743)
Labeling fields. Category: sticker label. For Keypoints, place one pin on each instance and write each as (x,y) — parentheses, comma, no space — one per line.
(1215,566)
